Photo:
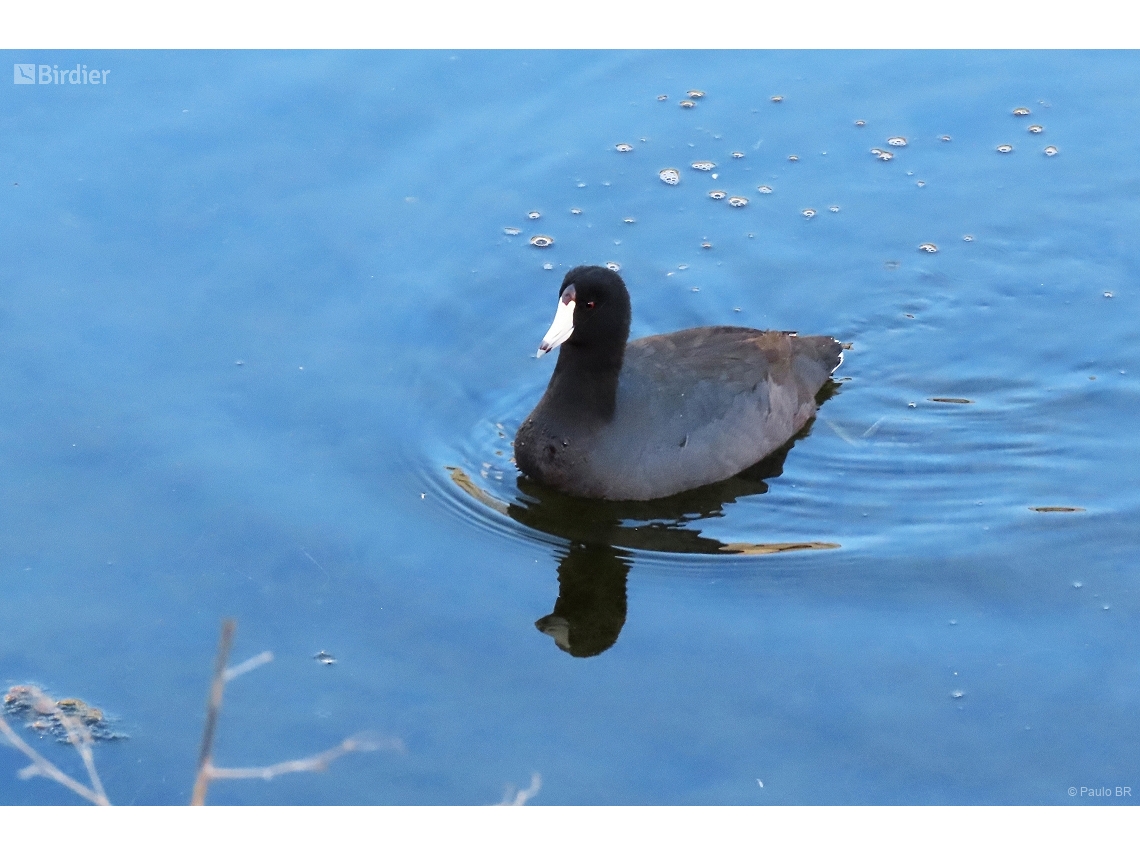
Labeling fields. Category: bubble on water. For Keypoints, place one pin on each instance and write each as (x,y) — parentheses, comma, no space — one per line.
(695,290)
(928,247)
(613,265)
(717,194)
(1021,111)
(957,693)
(1108,293)
(1050,150)
(548,266)
(682,267)
(662,97)
(629,220)
(1005,148)
(967,238)
(706,245)
(834,209)
(1035,129)
(945,138)
(808,213)
(764,188)
(898,142)
(703,165)
(738,154)
(581,183)
(623,146)
(542,241)
(1078,584)
(776,99)
(860,123)
(695,93)
(511,230)
(793,157)
(575,211)
(670,176)
(920,184)
(912,405)
(737,201)
(533,215)
(687,104)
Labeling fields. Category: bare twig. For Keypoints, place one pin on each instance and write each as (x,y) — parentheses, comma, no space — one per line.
(77,734)
(42,766)
(315,763)
(217,687)
(248,665)
(521,797)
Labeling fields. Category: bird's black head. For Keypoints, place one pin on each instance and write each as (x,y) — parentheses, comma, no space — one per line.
(601,309)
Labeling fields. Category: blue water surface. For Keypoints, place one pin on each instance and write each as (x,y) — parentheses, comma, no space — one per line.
(267,327)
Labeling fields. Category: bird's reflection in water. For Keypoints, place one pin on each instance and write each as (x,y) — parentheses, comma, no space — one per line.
(590,610)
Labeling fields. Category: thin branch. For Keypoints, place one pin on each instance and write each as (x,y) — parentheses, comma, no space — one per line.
(217,687)
(523,796)
(78,735)
(315,763)
(43,766)
(248,665)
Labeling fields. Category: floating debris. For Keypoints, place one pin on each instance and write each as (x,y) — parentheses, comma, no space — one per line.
(717,195)
(534,215)
(703,165)
(951,400)
(928,247)
(793,157)
(629,220)
(1005,148)
(808,213)
(511,230)
(623,147)
(1108,294)
(967,238)
(945,138)
(834,209)
(542,241)
(860,123)
(776,99)
(737,201)
(325,658)
(738,154)
(613,265)
(670,176)
(763,188)
(1056,509)
(41,714)
(773,548)
(1050,150)
(687,104)
(1035,129)
(706,245)
(883,155)
(575,211)
(898,142)
(662,97)
(695,93)
(1021,111)
(957,693)
(547,266)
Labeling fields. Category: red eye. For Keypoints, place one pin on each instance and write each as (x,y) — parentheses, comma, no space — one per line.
(590,304)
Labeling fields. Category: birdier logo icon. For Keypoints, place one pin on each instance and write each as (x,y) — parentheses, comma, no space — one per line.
(24,72)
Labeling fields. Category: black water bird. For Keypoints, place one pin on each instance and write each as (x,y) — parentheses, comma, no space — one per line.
(643,419)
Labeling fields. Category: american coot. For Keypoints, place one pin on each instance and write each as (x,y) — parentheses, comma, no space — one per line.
(665,413)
